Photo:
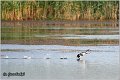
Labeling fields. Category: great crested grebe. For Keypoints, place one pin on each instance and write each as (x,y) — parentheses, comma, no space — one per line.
(83,53)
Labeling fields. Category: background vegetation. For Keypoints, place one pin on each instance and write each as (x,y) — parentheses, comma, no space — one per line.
(59,10)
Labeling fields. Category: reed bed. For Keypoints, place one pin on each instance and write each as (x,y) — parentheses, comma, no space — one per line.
(59,10)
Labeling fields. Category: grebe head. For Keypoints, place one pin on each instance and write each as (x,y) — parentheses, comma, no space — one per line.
(87,51)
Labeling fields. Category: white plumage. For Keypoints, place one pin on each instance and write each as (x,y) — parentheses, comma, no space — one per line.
(27,57)
(83,53)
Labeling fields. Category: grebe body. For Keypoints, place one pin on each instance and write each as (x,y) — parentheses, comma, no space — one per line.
(83,53)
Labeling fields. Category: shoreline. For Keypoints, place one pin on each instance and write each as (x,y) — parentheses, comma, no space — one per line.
(66,21)
(62,42)
(61,23)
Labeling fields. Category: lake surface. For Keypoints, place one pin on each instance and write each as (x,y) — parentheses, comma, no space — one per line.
(53,47)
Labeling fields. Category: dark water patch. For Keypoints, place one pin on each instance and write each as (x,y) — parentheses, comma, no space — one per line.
(68,30)
(14,50)
(68,42)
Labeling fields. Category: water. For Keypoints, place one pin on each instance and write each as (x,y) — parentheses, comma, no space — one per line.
(72,36)
(53,48)
(102,62)
(75,33)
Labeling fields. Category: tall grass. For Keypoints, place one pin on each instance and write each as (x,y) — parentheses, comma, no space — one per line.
(59,10)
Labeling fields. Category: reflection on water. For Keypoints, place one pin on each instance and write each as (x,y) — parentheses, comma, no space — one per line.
(72,36)
(60,33)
